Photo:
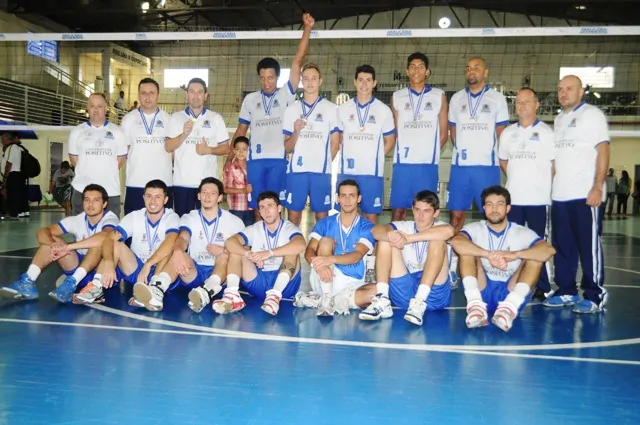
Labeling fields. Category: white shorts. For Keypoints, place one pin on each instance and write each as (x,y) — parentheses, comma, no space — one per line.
(340,282)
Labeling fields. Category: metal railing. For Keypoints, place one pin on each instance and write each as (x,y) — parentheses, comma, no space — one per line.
(66,84)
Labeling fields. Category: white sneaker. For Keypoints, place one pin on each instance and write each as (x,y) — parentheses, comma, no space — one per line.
(380,308)
(271,304)
(504,316)
(229,303)
(342,302)
(151,296)
(199,298)
(326,307)
(310,300)
(416,310)
(477,314)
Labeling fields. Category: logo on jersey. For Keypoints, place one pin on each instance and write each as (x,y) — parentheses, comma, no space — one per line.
(464,108)
(219,237)
(99,143)
(376,202)
(572,123)
(407,106)
(318,117)
(200,235)
(206,124)
(144,237)
(485,108)
(258,105)
(159,124)
(372,119)
(535,136)
(109,135)
(282,195)
(428,106)
(351,117)
(276,103)
(327,200)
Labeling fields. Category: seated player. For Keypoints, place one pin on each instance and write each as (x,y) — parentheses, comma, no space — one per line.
(413,257)
(267,257)
(77,259)
(500,262)
(203,267)
(153,231)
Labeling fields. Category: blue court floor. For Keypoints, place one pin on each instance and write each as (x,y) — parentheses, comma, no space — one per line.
(112,364)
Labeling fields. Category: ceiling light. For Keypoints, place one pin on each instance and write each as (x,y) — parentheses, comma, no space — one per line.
(581,7)
(145,6)
(444,22)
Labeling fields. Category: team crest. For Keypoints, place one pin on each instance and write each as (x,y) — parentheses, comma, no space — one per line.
(372,119)
(428,106)
(160,124)
(407,106)
(109,135)
(276,103)
(258,105)
(319,117)
(351,117)
(327,200)
(144,237)
(376,202)
(464,108)
(219,237)
(572,123)
(206,124)
(535,136)
(200,235)
(485,108)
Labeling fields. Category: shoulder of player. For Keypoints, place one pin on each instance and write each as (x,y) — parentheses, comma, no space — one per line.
(382,107)
(543,127)
(494,95)
(226,215)
(475,227)
(591,110)
(178,115)
(365,224)
(435,91)
(114,128)
(170,213)
(290,227)
(326,103)
(459,95)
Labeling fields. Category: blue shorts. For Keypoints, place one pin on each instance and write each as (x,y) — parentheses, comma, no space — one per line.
(466,183)
(266,174)
(497,291)
(264,281)
(134,199)
(371,189)
(317,186)
(185,200)
(133,277)
(409,179)
(203,273)
(402,289)
(88,278)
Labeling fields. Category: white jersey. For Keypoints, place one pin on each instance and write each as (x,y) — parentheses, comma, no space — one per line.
(414,254)
(260,239)
(530,154)
(148,160)
(203,233)
(513,238)
(364,128)
(418,125)
(312,153)
(189,167)
(98,150)
(13,154)
(264,113)
(475,117)
(81,229)
(577,133)
(145,236)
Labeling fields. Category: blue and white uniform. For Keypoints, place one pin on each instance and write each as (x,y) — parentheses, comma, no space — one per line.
(417,153)
(267,164)
(259,238)
(474,165)
(309,170)
(363,129)
(351,276)
(403,288)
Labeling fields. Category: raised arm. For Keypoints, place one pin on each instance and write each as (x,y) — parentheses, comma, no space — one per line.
(303,48)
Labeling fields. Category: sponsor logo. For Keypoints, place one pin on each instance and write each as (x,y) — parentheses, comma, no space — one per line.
(72,37)
(485,108)
(2,36)
(327,200)
(219,237)
(399,33)
(535,136)
(206,124)
(572,123)
(315,34)
(141,36)
(488,31)
(593,31)
(428,106)
(160,124)
(319,117)
(372,119)
(224,35)
(109,135)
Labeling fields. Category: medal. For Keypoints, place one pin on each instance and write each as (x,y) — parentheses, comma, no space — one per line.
(267,105)
(345,238)
(272,243)
(362,117)
(420,248)
(151,240)
(416,110)
(473,109)
(205,227)
(149,127)
(307,112)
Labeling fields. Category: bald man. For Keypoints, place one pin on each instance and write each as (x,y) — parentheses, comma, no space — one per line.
(581,160)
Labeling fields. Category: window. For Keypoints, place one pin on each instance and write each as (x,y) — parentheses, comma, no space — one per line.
(175,78)
(595,76)
(284,77)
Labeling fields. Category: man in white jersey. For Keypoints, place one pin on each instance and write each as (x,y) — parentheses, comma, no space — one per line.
(368,134)
(336,251)
(477,116)
(412,263)
(581,162)
(420,113)
(76,259)
(500,262)
(97,150)
(197,137)
(146,129)
(311,137)
(266,255)
(153,231)
(526,157)
(262,114)
(199,260)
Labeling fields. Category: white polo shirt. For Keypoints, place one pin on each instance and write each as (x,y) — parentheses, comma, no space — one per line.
(577,133)
(259,238)
(81,229)
(414,254)
(146,237)
(13,154)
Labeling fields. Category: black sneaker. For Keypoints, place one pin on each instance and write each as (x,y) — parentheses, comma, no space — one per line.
(539,295)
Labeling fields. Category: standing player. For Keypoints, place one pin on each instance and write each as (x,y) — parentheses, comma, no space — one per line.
(420,113)
(500,262)
(263,112)
(76,259)
(526,157)
(311,136)
(267,257)
(412,263)
(582,160)
(197,137)
(97,150)
(146,129)
(368,134)
(153,231)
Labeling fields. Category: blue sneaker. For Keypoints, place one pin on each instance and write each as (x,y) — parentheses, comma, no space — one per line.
(64,292)
(561,301)
(23,289)
(587,307)
(453,278)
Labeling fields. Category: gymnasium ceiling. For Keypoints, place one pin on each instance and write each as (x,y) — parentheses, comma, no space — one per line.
(126,15)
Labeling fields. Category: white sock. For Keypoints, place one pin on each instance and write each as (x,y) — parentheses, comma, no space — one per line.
(79,274)
(213,283)
(281,282)
(164,281)
(423,292)
(519,293)
(33,272)
(233,283)
(383,288)
(326,288)
(97,280)
(471,291)
(352,301)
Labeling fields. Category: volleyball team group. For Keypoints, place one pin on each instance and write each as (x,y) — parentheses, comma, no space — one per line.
(174,232)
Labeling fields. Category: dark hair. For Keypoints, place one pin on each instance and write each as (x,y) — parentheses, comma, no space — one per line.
(65,165)
(268,63)
(157,184)
(429,197)
(149,81)
(348,182)
(212,180)
(624,176)
(96,188)
(367,69)
(240,139)
(535,95)
(419,56)
(268,194)
(496,190)
(197,81)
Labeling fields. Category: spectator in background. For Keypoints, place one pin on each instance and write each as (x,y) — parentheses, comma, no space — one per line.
(235,182)
(13,185)
(24,205)
(612,184)
(120,106)
(134,107)
(624,189)
(60,186)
